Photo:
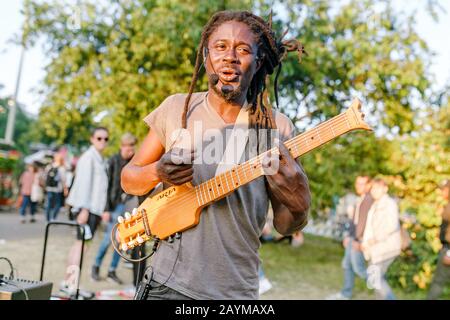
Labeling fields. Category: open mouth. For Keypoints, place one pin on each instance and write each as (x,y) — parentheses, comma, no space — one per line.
(229,75)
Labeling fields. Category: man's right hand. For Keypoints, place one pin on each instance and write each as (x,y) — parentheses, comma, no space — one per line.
(83,216)
(175,167)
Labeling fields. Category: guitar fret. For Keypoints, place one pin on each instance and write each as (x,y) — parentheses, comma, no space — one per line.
(217,183)
(212,188)
(196,194)
(237,175)
(231,178)
(201,194)
(226,180)
(205,187)
(306,141)
(221,183)
(318,134)
(245,174)
(348,123)
(332,129)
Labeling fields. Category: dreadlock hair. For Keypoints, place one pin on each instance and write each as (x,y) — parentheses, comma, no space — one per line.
(271,52)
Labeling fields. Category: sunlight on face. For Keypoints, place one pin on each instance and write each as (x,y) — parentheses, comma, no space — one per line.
(378,190)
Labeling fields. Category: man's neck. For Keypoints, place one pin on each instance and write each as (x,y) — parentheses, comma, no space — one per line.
(228,111)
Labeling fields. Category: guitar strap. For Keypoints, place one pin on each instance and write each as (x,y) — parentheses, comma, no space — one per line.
(236,142)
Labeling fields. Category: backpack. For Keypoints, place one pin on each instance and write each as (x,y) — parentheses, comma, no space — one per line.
(52,178)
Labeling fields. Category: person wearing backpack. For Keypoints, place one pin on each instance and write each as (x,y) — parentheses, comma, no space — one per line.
(55,186)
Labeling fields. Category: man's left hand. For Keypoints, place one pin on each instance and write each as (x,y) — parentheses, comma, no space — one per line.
(288,181)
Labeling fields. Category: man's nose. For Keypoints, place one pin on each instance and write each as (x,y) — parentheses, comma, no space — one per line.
(230,56)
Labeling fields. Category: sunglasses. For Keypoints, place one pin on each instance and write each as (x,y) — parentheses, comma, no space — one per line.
(102,138)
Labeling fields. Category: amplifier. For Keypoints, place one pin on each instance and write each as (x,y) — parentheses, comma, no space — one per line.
(13,289)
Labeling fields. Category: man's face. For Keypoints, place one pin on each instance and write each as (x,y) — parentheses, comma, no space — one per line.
(378,190)
(100,140)
(232,56)
(361,185)
(127,150)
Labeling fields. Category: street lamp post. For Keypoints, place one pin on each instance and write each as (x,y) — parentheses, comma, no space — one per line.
(9,134)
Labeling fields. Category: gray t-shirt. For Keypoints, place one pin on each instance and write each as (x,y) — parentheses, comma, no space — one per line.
(218,258)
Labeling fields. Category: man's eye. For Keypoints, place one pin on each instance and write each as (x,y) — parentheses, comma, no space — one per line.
(244,50)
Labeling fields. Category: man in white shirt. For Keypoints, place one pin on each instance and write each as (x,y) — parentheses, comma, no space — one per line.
(88,199)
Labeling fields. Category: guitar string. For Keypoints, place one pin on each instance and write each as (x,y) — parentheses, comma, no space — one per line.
(249,165)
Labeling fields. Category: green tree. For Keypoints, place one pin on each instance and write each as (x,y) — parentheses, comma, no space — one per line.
(125,58)
(422,162)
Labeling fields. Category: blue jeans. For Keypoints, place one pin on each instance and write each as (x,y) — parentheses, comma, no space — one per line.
(54,204)
(353,264)
(107,241)
(384,291)
(26,201)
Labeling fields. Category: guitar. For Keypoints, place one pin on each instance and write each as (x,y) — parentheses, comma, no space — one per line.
(178,208)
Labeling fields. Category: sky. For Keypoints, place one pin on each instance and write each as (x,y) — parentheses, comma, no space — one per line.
(436,34)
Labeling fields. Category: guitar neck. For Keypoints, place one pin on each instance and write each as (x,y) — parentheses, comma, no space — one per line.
(226,182)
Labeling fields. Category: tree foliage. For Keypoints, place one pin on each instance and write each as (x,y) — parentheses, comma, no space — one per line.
(22,126)
(122,62)
(421,163)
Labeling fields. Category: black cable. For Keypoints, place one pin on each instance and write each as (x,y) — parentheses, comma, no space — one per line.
(11,271)
(139,268)
(174,264)
(112,236)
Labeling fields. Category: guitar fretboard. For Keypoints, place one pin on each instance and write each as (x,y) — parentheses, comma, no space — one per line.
(226,182)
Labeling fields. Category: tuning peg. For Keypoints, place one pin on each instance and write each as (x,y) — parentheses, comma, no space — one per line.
(177,235)
(134,212)
(127,215)
(140,239)
(131,244)
(120,219)
(170,239)
(124,247)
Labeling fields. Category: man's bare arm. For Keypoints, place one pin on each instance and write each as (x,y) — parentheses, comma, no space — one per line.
(289,194)
(140,176)
(152,164)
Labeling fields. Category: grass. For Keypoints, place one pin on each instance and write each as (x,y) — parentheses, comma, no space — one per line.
(312,271)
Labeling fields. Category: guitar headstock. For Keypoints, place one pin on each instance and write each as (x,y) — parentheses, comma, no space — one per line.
(131,230)
(356,117)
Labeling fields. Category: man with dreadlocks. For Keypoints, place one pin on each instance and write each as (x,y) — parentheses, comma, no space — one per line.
(218,259)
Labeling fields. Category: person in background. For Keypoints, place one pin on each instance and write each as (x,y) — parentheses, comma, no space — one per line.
(442,274)
(381,242)
(37,189)
(26,184)
(88,200)
(115,206)
(55,186)
(353,262)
